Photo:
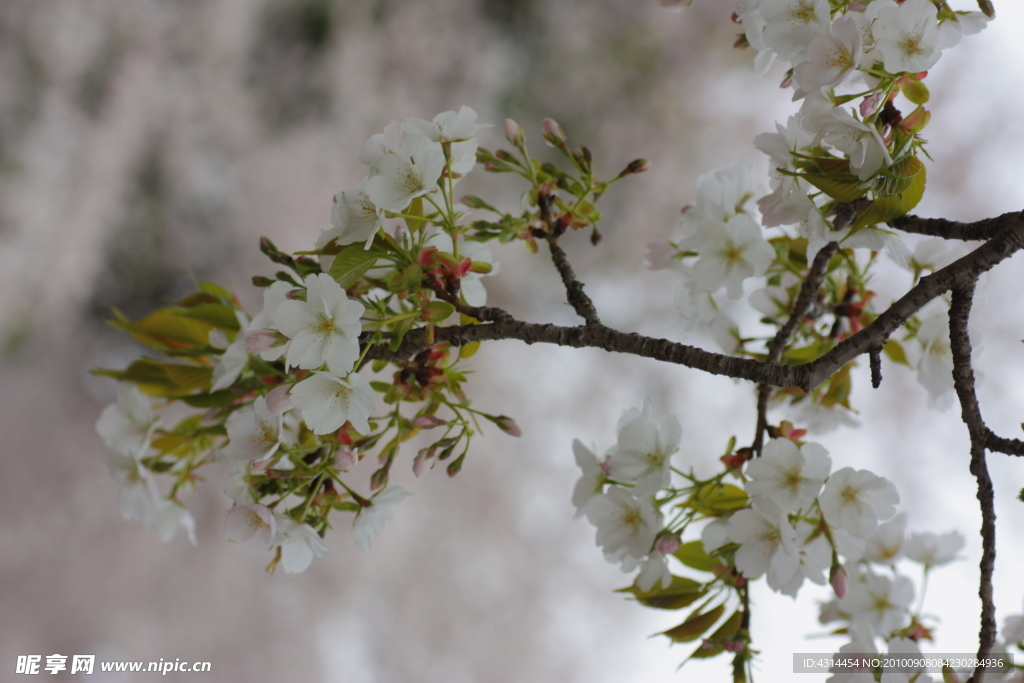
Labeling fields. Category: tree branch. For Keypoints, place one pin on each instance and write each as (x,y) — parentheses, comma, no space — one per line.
(804,300)
(578,299)
(953,230)
(963,380)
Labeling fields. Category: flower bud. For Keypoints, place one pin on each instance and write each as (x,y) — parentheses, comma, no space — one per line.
(666,545)
(260,281)
(837,578)
(637,166)
(513,133)
(509,426)
(427,422)
(553,134)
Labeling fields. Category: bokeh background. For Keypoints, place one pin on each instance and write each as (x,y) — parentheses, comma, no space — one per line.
(143,142)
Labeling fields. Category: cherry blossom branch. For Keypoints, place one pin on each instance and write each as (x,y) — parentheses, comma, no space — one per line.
(940,227)
(963,380)
(957,274)
(578,299)
(804,300)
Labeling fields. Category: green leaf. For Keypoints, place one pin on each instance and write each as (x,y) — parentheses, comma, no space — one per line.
(693,555)
(886,209)
(894,351)
(169,380)
(166,329)
(914,90)
(839,185)
(415,208)
(217,399)
(219,315)
(897,178)
(717,499)
(729,628)
(838,391)
(352,262)
(438,311)
(682,592)
(695,625)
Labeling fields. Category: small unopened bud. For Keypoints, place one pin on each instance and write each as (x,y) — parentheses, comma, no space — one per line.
(553,134)
(427,422)
(987,9)
(379,479)
(837,578)
(509,426)
(869,105)
(296,294)
(260,281)
(637,166)
(666,545)
(266,244)
(419,463)
(482,267)
(455,466)
(513,133)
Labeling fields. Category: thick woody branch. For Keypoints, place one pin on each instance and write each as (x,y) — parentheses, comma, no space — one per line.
(804,300)
(963,380)
(940,227)
(957,274)
(808,376)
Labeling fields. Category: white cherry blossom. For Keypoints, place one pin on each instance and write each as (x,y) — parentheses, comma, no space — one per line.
(127,425)
(642,453)
(907,36)
(251,525)
(831,56)
(626,526)
(254,432)
(694,302)
(449,126)
(370,521)
(788,476)
(885,545)
(791,25)
(299,543)
(879,602)
(398,178)
(811,560)
(354,218)
(933,550)
(860,141)
(323,329)
(965,24)
(654,571)
(592,482)
(764,543)
(729,254)
(935,365)
(263,323)
(380,144)
(327,402)
(857,500)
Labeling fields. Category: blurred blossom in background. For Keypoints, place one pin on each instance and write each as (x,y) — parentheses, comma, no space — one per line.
(146,142)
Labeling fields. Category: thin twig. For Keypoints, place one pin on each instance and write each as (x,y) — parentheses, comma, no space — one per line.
(578,299)
(804,300)
(963,380)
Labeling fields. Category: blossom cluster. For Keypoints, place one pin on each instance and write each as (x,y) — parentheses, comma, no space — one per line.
(841,167)
(791,519)
(282,398)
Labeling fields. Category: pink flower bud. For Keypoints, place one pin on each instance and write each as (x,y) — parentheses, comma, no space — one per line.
(509,426)
(658,255)
(666,545)
(278,399)
(553,134)
(513,133)
(838,581)
(419,463)
(257,341)
(296,294)
(427,422)
(869,105)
